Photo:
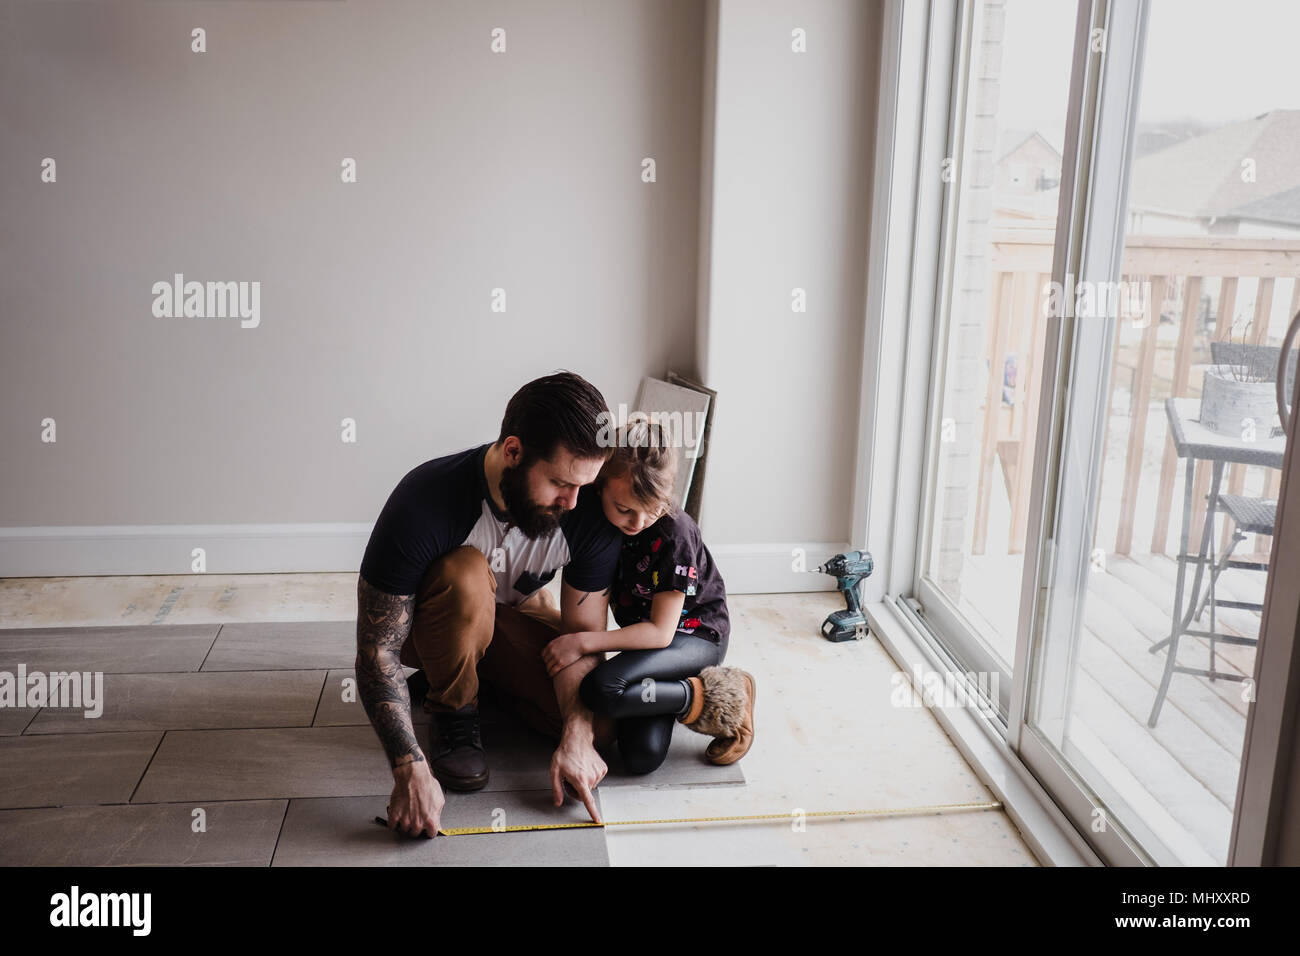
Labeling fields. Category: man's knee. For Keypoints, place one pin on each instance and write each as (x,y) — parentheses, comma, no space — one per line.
(464,568)
(459,590)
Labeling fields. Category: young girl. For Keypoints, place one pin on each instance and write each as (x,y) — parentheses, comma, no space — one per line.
(671,605)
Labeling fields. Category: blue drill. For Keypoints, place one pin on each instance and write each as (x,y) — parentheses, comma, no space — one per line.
(849,570)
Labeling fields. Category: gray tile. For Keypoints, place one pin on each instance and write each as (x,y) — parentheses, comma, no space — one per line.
(685,766)
(137,649)
(520,759)
(349,761)
(266,764)
(193,701)
(159,834)
(309,645)
(72,769)
(335,711)
(342,832)
(13,720)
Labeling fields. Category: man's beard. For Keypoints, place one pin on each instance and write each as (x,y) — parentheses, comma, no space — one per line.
(530,518)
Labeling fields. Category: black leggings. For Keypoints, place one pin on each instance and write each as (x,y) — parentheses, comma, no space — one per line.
(640,690)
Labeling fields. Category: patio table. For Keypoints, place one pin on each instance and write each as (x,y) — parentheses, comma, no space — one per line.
(1193,441)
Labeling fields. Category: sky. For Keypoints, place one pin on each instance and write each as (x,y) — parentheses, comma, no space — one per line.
(1210,60)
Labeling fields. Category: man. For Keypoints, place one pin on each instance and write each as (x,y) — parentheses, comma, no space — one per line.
(451,582)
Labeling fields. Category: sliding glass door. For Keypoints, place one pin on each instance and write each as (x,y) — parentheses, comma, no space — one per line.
(1121,257)
(1142,666)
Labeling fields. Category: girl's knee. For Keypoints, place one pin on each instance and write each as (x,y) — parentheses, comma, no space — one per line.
(641,761)
(643,743)
(598,691)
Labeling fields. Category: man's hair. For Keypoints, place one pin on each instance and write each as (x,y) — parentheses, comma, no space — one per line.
(562,409)
(646,456)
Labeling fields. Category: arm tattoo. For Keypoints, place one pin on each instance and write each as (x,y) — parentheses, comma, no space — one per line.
(383,623)
(587,594)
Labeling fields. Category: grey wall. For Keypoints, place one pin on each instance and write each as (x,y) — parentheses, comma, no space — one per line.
(789,189)
(475,171)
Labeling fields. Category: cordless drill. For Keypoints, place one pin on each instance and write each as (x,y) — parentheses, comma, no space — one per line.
(849,570)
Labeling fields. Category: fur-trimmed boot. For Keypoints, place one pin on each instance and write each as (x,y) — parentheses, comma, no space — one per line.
(722,707)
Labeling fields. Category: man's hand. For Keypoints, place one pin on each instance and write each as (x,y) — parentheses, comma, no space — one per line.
(577,763)
(563,651)
(415,808)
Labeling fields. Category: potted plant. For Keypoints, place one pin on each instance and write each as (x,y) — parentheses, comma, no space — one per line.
(1240,399)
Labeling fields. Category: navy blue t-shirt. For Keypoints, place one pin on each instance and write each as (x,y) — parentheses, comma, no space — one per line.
(670,556)
(444,503)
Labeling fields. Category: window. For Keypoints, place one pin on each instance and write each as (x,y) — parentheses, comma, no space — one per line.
(1100,461)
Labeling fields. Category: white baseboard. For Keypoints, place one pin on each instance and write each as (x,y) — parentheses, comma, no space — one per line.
(76,551)
(769,568)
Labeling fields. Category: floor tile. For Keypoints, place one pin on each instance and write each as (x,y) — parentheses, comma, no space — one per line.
(193,702)
(266,764)
(13,720)
(336,711)
(72,769)
(342,832)
(520,759)
(348,761)
(114,650)
(161,834)
(303,645)
(685,766)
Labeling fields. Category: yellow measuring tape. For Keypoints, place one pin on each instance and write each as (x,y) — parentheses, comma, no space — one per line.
(887,811)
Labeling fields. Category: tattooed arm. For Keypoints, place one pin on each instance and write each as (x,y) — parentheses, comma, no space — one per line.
(383,623)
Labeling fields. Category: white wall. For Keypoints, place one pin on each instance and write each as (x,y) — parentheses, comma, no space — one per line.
(519,170)
(788,182)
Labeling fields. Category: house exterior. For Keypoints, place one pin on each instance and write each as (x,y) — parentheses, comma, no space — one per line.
(1242,179)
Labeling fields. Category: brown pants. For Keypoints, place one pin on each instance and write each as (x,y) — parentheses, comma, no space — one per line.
(461,635)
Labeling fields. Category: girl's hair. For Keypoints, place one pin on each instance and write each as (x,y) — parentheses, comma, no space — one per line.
(643,453)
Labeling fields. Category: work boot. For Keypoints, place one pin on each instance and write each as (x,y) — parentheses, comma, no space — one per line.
(456,749)
(722,707)
(417,686)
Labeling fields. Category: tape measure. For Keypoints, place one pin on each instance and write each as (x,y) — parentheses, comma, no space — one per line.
(881,812)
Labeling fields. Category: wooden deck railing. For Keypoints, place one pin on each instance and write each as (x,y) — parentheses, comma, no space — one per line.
(1177,269)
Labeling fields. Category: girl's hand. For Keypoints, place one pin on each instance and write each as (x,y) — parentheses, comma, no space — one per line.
(562,652)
